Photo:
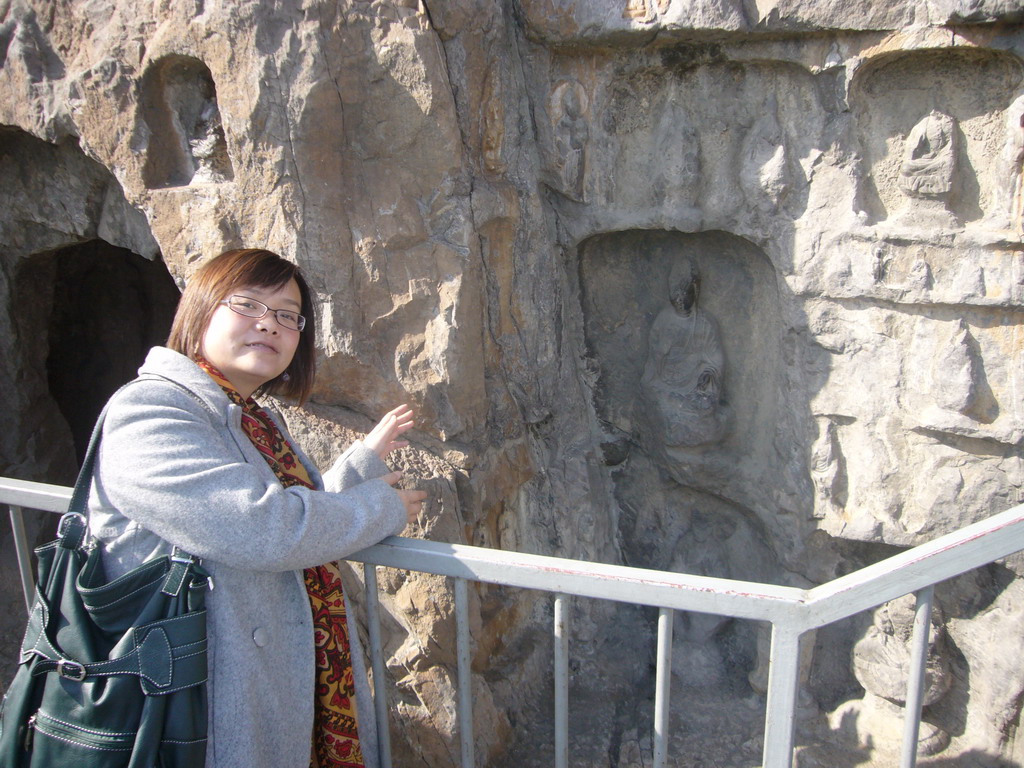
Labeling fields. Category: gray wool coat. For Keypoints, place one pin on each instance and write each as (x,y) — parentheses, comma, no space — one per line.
(175,467)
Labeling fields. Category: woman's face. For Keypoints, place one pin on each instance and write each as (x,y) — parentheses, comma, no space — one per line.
(251,351)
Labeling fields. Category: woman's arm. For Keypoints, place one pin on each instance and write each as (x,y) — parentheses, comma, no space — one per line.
(365,459)
(167,464)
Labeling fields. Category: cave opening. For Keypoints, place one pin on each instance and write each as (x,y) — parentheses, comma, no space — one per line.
(109,306)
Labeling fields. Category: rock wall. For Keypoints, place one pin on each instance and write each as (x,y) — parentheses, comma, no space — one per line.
(723,287)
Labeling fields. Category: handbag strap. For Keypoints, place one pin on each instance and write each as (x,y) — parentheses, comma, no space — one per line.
(166,655)
(74,525)
(80,495)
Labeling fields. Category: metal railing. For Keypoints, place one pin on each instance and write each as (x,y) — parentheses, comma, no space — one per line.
(792,612)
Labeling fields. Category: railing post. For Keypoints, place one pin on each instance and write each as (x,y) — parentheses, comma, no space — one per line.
(915,683)
(28,587)
(561,630)
(783,684)
(465,672)
(663,687)
(380,694)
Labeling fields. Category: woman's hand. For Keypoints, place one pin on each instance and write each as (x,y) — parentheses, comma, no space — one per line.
(413,500)
(382,439)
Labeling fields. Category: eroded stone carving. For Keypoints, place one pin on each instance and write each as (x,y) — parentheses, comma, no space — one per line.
(879,263)
(881,663)
(676,164)
(1008,202)
(568,114)
(919,278)
(949,381)
(682,384)
(645,10)
(955,371)
(209,149)
(929,159)
(765,175)
(928,176)
(493,126)
(826,470)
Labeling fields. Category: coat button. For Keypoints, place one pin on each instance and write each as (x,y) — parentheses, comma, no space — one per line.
(259,636)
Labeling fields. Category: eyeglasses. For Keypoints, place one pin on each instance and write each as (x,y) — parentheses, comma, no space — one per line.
(243,305)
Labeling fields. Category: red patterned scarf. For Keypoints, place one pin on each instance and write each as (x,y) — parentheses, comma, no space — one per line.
(335,725)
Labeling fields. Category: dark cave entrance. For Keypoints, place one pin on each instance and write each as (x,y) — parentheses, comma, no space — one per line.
(109,306)
(77,316)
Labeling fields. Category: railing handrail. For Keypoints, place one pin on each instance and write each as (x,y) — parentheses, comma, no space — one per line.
(926,564)
(909,571)
(791,611)
(904,573)
(584,578)
(916,568)
(33,495)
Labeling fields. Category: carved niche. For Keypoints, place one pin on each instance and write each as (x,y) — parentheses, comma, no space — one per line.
(925,123)
(682,336)
(186,143)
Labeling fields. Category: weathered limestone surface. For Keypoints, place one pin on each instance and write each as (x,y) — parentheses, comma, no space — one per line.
(729,287)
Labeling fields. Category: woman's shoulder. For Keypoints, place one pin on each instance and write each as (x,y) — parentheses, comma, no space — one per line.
(170,379)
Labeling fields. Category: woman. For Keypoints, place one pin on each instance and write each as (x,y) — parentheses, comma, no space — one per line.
(189,458)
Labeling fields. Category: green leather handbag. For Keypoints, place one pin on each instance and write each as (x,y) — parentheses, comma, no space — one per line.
(112,674)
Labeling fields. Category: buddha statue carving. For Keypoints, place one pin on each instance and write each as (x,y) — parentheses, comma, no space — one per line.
(682,383)
(929,160)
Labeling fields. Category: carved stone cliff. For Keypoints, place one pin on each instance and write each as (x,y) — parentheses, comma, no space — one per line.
(723,287)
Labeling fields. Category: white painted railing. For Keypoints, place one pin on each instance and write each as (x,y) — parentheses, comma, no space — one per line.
(791,612)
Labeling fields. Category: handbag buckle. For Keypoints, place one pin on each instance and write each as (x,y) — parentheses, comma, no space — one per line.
(71,670)
(66,520)
(179,555)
